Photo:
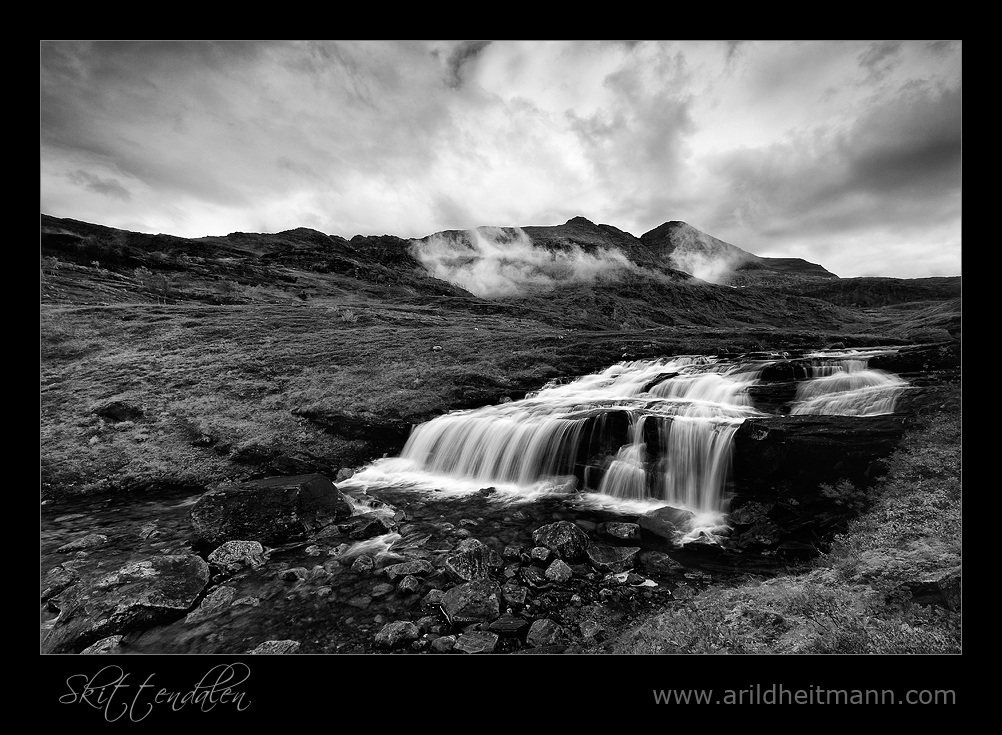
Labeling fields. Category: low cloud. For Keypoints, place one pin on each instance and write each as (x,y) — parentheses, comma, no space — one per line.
(494,261)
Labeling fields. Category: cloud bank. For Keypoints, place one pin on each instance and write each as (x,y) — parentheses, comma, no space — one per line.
(494,261)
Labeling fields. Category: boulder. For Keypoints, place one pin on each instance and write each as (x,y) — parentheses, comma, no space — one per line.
(477,641)
(472,559)
(667,522)
(397,634)
(544,632)
(235,555)
(138,595)
(563,538)
(474,602)
(272,511)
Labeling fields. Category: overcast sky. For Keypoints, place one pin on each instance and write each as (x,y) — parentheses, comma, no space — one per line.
(845,153)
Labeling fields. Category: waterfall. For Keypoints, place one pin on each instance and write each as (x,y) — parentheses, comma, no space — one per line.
(645,431)
(640,430)
(847,387)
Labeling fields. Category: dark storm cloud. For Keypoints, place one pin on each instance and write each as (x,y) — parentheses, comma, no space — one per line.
(464,52)
(901,159)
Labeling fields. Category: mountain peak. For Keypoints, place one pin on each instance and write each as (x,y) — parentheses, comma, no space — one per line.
(579,220)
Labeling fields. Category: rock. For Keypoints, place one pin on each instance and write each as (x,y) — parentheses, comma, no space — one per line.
(544,632)
(409,585)
(514,596)
(272,511)
(382,589)
(293,574)
(58,579)
(667,522)
(276,647)
(558,571)
(477,641)
(363,564)
(473,602)
(87,542)
(563,538)
(533,577)
(540,554)
(138,595)
(433,598)
(397,634)
(418,568)
(509,625)
(111,644)
(622,531)
(214,603)
(612,558)
(472,559)
(658,563)
(807,451)
(118,411)
(445,644)
(367,525)
(235,555)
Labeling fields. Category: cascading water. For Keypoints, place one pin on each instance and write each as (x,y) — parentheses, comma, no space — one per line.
(638,431)
(847,387)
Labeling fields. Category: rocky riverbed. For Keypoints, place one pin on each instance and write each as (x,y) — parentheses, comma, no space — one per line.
(308,569)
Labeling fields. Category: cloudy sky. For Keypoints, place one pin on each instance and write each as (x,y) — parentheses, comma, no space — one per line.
(845,153)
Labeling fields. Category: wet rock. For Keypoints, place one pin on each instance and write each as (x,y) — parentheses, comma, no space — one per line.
(540,554)
(111,644)
(658,563)
(622,531)
(563,538)
(544,632)
(592,630)
(58,579)
(409,585)
(418,568)
(137,595)
(558,571)
(534,577)
(366,525)
(272,511)
(477,642)
(472,559)
(509,625)
(214,603)
(235,555)
(382,589)
(667,522)
(276,647)
(396,634)
(363,564)
(512,553)
(87,542)
(514,596)
(473,602)
(433,598)
(293,574)
(612,558)
(444,644)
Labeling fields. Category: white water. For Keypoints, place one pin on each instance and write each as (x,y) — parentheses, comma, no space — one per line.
(690,406)
(847,388)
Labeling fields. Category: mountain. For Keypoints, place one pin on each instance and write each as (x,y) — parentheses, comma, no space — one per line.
(577,274)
